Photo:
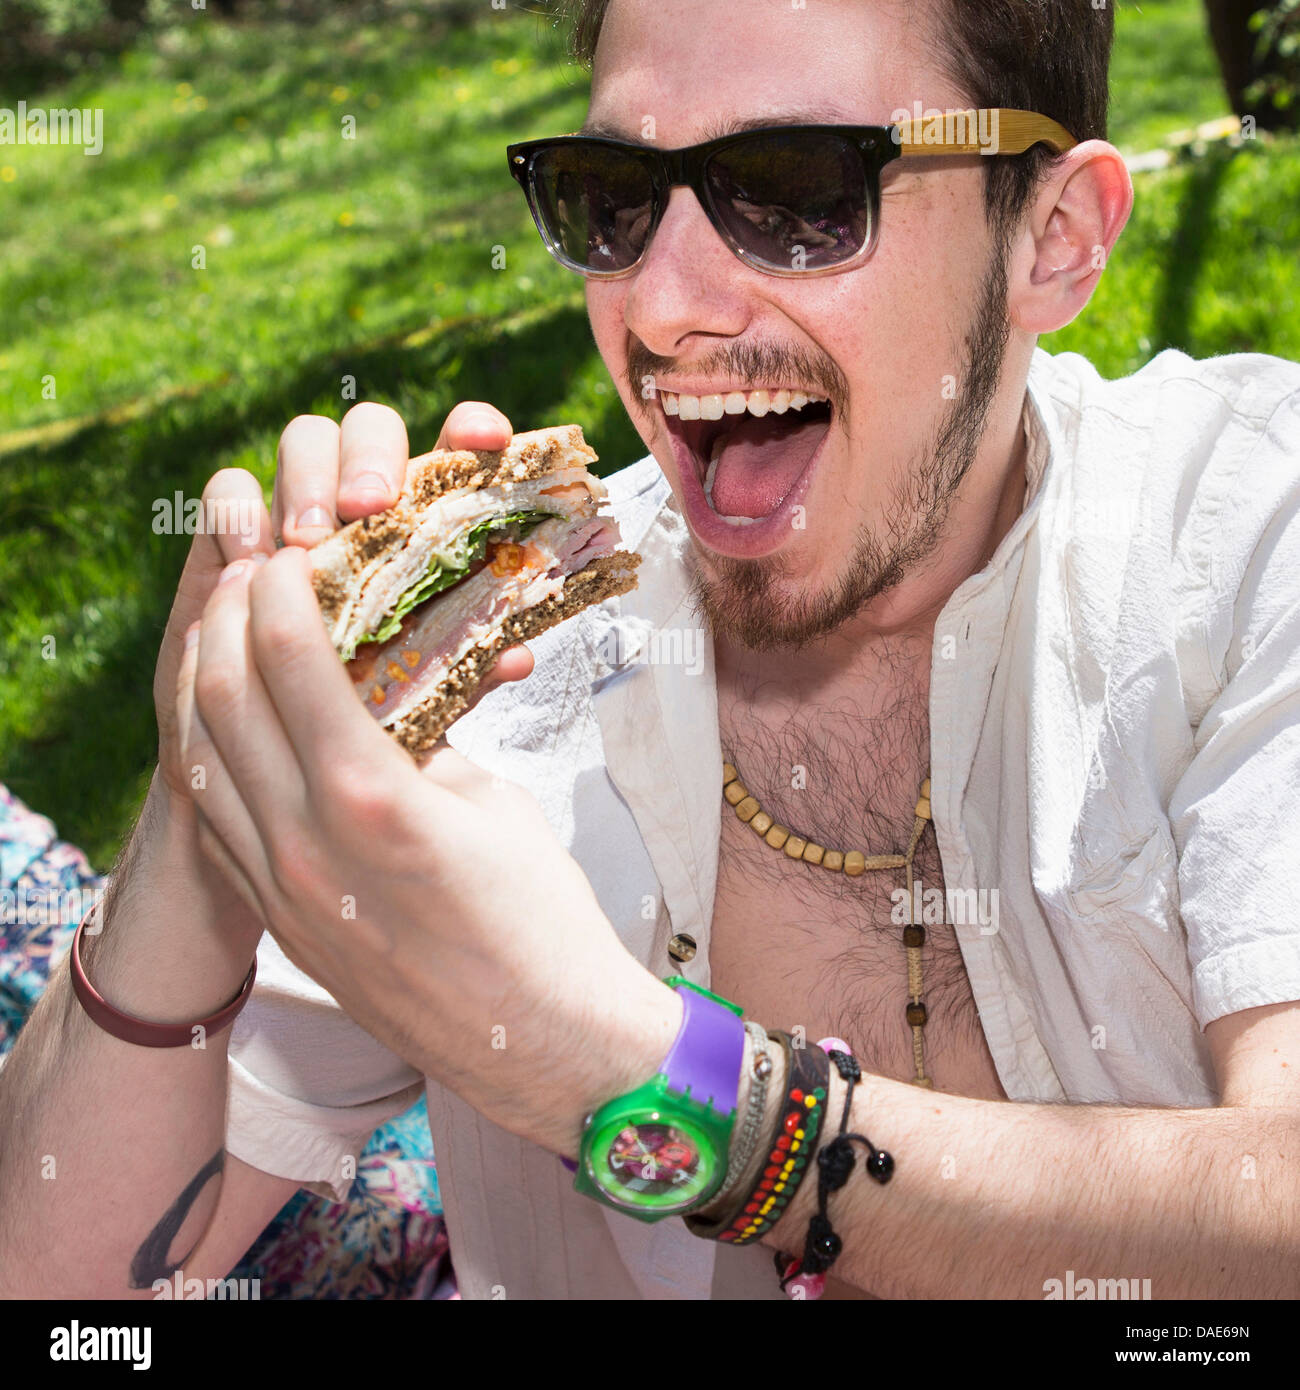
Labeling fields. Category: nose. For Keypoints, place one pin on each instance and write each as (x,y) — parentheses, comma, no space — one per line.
(688,282)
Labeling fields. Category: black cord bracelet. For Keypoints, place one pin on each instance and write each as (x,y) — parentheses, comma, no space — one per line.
(834,1164)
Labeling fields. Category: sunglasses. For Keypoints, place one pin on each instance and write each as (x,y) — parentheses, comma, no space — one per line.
(788,200)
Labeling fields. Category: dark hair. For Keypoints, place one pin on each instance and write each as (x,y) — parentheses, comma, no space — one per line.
(1049,56)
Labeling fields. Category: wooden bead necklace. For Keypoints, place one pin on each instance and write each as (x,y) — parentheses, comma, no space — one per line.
(852,863)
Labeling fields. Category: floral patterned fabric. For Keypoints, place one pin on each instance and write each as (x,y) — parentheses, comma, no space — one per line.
(387,1241)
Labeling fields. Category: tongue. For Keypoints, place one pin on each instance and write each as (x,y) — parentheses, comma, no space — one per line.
(760,460)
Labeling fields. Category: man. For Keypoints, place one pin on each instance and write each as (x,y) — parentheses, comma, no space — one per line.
(1069,604)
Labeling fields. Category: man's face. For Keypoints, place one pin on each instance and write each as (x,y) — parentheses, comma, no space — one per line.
(843,498)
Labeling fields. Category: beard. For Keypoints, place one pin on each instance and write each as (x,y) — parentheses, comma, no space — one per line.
(741,600)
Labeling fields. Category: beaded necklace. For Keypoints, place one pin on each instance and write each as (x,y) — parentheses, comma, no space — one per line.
(852,863)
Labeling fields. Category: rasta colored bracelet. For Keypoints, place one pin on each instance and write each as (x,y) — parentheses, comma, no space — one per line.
(791,1147)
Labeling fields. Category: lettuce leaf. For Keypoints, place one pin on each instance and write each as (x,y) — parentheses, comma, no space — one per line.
(449,568)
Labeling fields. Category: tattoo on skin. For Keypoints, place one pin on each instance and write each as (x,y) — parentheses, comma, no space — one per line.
(150,1261)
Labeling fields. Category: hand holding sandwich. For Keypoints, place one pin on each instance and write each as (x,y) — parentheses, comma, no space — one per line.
(436,904)
(326,472)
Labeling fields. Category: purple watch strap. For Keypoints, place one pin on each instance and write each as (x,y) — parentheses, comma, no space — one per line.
(705,1057)
(705,1060)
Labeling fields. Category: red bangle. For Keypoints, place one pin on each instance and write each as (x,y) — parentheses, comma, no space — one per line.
(136,1030)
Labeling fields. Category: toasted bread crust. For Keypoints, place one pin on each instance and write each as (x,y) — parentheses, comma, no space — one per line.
(529,455)
(420,728)
(349,549)
(339,558)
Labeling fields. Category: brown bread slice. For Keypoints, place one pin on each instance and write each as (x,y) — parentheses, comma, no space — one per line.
(421,727)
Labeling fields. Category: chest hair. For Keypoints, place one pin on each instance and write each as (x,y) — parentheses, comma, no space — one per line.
(846,781)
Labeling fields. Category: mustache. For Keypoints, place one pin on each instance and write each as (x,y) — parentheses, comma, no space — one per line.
(744,362)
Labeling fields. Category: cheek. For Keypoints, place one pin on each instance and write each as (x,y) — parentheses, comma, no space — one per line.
(899,336)
(605,304)
(605,313)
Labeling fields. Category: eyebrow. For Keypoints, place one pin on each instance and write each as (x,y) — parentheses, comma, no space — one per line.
(731,125)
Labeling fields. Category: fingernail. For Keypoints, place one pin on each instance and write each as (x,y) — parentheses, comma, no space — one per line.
(260,559)
(483,424)
(232,571)
(191,636)
(369,487)
(314,517)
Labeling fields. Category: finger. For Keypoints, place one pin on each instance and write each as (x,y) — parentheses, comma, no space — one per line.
(221,862)
(242,723)
(230,492)
(513,664)
(312,693)
(209,786)
(372,460)
(474,425)
(306,481)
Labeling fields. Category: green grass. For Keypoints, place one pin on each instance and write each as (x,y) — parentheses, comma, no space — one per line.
(373,259)
(1209,263)
(1163,77)
(325,258)
(1210,260)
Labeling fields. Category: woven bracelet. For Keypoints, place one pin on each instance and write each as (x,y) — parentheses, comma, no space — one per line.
(822,1246)
(792,1145)
(760,1068)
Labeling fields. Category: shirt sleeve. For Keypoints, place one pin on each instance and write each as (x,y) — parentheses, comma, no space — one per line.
(308,1085)
(1235,812)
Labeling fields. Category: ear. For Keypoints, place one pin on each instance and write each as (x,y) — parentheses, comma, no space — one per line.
(1067,237)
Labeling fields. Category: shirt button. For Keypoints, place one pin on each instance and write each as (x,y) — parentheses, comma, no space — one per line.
(682,948)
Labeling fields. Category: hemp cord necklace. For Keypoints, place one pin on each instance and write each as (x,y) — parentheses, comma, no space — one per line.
(852,863)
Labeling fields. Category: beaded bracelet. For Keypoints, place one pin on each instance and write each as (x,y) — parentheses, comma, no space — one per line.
(798,1125)
(822,1246)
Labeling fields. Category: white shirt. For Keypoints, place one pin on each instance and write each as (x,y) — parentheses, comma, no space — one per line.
(1114,712)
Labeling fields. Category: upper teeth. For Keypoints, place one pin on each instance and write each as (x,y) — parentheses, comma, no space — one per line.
(735,403)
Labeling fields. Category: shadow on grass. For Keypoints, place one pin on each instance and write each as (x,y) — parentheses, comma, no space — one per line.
(87,763)
(1188,249)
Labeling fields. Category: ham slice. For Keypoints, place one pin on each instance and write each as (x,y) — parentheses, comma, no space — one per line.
(393,676)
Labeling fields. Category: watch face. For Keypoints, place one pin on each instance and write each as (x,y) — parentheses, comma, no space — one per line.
(649,1158)
(652,1164)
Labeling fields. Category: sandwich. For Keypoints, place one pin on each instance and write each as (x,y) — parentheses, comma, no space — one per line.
(482,550)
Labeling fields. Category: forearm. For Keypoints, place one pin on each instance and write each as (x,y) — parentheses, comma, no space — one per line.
(101,1138)
(995,1200)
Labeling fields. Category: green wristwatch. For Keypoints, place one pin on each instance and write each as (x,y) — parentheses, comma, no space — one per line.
(661,1149)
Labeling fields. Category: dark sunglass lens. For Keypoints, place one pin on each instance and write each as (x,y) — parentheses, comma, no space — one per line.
(796,201)
(596,203)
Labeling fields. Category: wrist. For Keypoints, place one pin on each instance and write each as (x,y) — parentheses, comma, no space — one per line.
(634,1040)
(744,1087)
(164,852)
(170,942)
(661,1145)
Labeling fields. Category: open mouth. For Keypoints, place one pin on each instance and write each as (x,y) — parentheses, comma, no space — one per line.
(747,449)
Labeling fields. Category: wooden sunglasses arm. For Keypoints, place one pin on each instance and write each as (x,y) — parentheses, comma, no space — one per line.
(995,130)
